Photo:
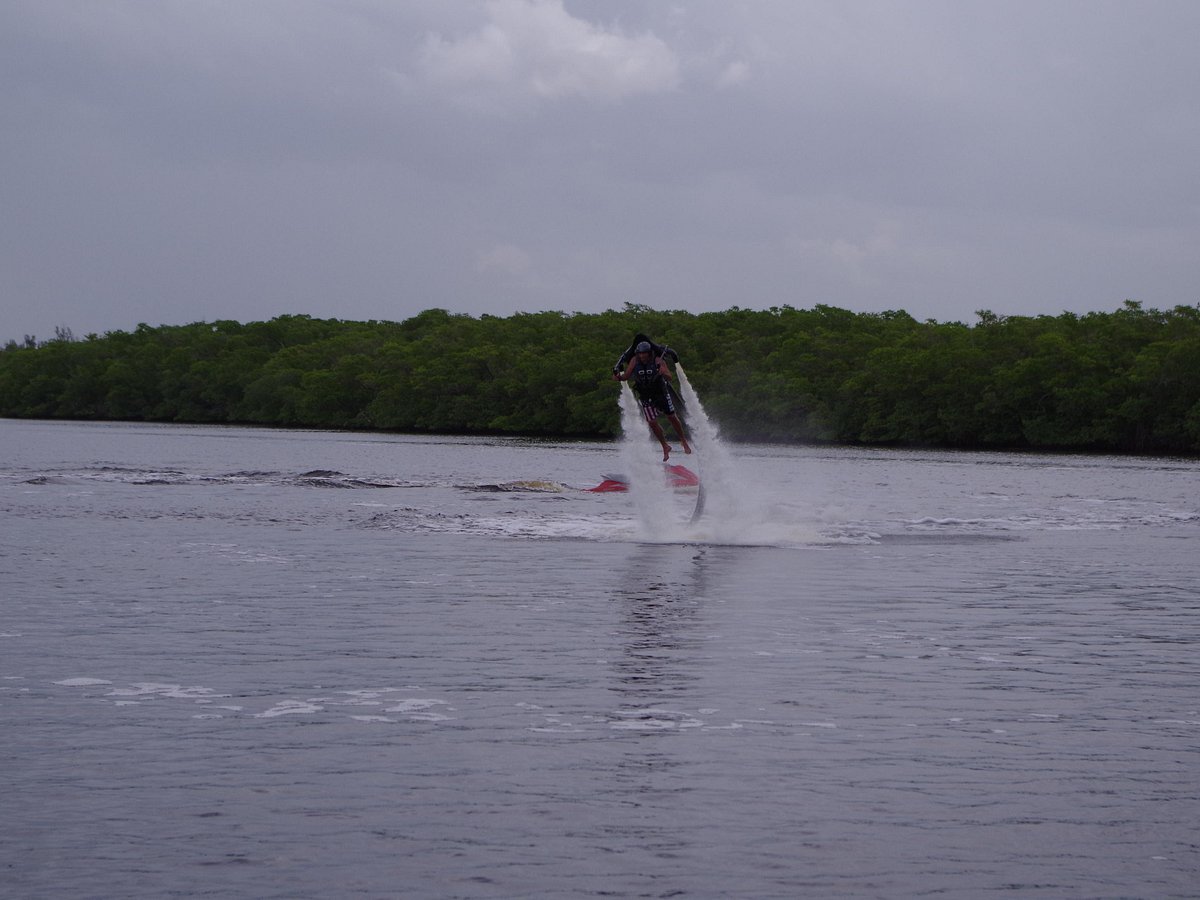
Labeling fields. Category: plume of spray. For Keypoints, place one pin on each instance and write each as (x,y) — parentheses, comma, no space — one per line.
(736,510)
(725,494)
(647,486)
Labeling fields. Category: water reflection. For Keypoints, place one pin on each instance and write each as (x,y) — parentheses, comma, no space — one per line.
(657,664)
(661,598)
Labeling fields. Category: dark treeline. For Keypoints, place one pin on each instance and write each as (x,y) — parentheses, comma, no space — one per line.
(1126,381)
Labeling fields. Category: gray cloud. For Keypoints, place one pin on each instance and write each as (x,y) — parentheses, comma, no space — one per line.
(174,161)
(540,49)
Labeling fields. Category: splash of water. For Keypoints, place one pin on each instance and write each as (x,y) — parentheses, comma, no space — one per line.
(736,510)
(649,490)
(726,491)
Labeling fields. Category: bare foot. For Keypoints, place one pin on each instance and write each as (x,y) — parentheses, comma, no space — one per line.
(687,448)
(666,452)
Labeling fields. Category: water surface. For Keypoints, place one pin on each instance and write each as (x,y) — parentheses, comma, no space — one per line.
(254,663)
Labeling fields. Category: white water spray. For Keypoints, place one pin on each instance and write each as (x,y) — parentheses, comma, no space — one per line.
(736,511)
(727,506)
(647,486)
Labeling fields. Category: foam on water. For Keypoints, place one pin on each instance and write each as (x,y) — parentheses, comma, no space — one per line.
(748,500)
(391,700)
(399,707)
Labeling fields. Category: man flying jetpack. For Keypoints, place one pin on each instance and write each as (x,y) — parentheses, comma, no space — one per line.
(645,365)
(659,350)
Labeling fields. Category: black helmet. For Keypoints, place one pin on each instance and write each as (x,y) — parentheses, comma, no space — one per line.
(643,347)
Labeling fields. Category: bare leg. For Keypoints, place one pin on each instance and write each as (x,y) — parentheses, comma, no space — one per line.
(662,439)
(674,417)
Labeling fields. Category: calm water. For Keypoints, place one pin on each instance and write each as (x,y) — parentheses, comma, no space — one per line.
(249,663)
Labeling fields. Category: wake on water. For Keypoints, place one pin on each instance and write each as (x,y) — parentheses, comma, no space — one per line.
(735,510)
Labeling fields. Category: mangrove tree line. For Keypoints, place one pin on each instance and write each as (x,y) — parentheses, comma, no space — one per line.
(1127,380)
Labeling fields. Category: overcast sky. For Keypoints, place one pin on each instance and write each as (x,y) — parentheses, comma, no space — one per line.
(170,161)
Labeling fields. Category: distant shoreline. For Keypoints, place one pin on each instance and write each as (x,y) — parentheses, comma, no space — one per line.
(1125,382)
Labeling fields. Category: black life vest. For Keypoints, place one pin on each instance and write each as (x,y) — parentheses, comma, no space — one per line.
(646,376)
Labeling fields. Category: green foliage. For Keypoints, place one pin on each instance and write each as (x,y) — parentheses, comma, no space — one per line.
(1125,381)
